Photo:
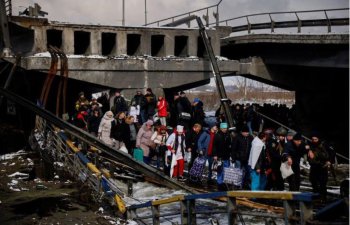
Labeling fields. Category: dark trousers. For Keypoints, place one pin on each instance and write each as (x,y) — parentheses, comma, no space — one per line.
(294,180)
(194,155)
(277,183)
(318,178)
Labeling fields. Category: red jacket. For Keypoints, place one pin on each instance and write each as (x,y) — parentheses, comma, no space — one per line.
(162,106)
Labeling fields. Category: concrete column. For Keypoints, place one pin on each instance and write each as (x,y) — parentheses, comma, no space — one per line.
(145,48)
(215,42)
(121,43)
(114,50)
(40,40)
(192,44)
(95,47)
(169,45)
(68,41)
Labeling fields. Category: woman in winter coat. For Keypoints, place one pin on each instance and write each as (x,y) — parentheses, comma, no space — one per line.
(104,130)
(131,131)
(176,148)
(119,131)
(162,106)
(159,137)
(143,140)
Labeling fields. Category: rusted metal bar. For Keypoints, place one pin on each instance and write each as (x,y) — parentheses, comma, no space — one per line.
(49,78)
(59,90)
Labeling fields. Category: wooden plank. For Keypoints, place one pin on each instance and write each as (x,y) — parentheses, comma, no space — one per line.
(282,195)
(168,200)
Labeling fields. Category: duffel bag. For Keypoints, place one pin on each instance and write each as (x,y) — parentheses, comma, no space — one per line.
(233,175)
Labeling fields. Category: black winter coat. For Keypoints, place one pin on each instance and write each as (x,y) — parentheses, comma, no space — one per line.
(241,148)
(222,146)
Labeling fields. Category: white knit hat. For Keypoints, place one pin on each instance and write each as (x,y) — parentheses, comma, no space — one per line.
(179,128)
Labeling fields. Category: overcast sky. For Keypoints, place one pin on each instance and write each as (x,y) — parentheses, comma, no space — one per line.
(109,12)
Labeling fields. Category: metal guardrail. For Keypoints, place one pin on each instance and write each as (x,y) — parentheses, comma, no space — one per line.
(288,128)
(326,21)
(58,150)
(205,17)
(8,7)
(188,210)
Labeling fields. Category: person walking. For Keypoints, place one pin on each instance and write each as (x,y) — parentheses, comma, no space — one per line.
(293,152)
(162,107)
(258,163)
(205,147)
(319,164)
(143,140)
(176,146)
(222,148)
(104,129)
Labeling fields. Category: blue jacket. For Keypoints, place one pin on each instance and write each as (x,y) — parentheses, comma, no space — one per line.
(203,142)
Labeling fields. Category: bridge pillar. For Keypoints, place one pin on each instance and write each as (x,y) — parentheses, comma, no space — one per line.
(192,45)
(40,40)
(95,43)
(68,41)
(145,48)
(121,43)
(169,43)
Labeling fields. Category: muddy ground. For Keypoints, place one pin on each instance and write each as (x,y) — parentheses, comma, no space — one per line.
(29,196)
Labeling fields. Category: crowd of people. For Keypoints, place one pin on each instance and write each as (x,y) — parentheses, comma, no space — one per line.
(171,135)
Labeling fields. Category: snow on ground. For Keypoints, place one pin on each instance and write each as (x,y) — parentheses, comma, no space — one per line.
(18,174)
(12,155)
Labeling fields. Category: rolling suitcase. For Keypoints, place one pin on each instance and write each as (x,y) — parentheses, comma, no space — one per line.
(138,154)
(197,169)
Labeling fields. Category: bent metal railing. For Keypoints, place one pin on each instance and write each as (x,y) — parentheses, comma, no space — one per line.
(55,147)
(206,17)
(292,202)
(272,24)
